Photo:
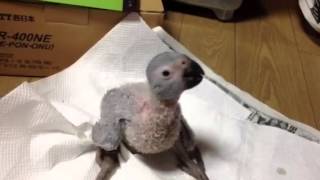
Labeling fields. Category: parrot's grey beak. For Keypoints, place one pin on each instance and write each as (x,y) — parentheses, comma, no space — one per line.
(193,75)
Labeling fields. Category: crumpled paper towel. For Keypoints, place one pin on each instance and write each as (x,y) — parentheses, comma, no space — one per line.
(45,126)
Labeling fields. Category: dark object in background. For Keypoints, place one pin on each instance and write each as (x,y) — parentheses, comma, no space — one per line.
(223,9)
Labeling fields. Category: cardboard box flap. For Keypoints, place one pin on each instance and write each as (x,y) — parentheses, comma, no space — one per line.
(66,14)
(39,39)
(20,14)
(151,6)
(115,5)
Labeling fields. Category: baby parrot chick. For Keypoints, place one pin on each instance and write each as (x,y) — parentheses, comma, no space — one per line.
(146,117)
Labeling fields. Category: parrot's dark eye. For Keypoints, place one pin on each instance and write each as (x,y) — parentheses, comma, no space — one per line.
(165,73)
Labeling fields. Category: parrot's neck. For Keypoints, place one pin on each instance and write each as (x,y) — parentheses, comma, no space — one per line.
(167,102)
(163,102)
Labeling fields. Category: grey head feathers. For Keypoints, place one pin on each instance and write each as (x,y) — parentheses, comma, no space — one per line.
(170,73)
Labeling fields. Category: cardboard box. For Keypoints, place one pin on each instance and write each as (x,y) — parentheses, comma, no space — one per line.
(39,40)
(117,5)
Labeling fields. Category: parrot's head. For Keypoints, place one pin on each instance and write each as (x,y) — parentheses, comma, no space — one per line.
(170,73)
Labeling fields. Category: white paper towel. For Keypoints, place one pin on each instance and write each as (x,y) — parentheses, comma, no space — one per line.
(45,126)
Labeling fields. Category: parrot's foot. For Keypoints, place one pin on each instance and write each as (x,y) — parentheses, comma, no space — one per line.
(108,162)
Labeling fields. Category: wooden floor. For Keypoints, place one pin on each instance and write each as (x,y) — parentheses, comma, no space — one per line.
(271,56)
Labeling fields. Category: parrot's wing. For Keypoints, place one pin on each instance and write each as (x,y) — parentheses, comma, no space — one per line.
(116,110)
(188,154)
(107,136)
(188,142)
(187,136)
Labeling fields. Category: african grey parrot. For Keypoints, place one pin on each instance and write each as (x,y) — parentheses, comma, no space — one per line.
(146,117)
